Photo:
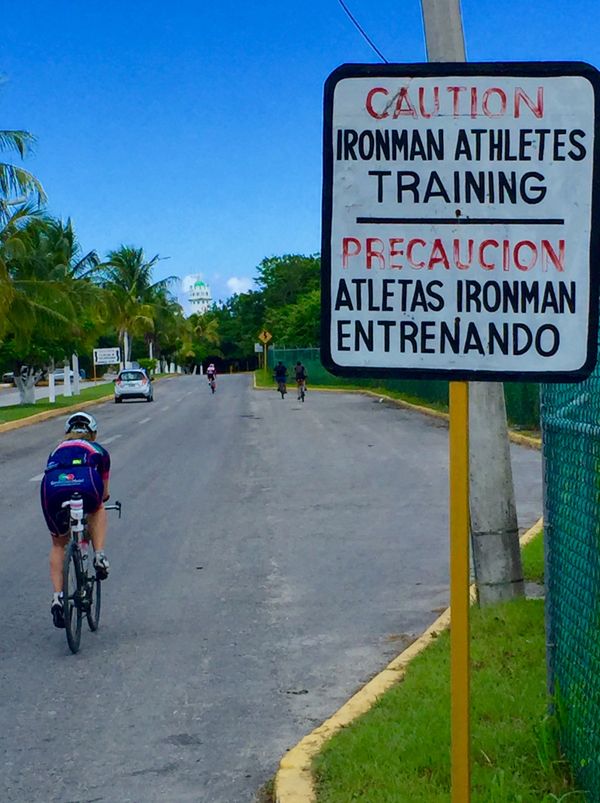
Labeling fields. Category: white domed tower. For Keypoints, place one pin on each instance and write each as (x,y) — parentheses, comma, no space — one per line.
(199,296)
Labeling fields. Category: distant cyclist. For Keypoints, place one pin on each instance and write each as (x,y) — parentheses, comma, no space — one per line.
(78,464)
(301,377)
(281,378)
(211,375)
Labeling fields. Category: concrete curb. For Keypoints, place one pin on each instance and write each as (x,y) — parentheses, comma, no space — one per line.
(37,417)
(514,437)
(293,780)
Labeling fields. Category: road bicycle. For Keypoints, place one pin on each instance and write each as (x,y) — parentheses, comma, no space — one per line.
(281,386)
(301,389)
(213,383)
(82,588)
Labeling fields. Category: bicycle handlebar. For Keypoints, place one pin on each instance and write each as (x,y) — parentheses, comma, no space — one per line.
(116,506)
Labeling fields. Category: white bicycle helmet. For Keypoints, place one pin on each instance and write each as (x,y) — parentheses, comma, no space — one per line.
(81,422)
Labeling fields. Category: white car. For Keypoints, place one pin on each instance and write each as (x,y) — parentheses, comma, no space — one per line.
(59,375)
(133,383)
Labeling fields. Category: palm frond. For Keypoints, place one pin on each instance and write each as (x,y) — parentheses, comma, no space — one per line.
(17,181)
(20,141)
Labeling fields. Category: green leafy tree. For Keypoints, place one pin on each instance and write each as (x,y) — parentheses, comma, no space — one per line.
(283,279)
(297,324)
(240,320)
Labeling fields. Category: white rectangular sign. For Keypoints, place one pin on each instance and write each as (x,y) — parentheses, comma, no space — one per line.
(258,347)
(458,211)
(107,356)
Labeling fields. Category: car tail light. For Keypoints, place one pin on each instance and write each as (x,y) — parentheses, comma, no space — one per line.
(118,382)
(144,381)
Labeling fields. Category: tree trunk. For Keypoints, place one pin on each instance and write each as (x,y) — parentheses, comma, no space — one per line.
(494,528)
(25,380)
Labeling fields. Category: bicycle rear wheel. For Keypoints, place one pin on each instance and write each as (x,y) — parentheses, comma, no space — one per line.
(94,600)
(72,590)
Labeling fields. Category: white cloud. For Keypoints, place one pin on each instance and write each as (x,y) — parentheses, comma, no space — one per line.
(188,281)
(239,285)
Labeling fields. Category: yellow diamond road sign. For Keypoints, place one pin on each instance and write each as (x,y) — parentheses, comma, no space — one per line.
(265,336)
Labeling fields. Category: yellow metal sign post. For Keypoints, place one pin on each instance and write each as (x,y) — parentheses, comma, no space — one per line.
(459,592)
(264,338)
(445,42)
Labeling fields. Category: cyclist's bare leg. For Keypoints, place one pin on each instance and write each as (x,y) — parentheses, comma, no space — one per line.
(97,525)
(57,556)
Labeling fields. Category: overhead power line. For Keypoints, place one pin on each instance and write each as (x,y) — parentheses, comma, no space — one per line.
(362,31)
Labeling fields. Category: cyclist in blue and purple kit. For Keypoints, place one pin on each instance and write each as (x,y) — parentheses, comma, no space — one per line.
(78,464)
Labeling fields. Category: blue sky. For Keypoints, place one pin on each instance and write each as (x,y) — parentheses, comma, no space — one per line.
(193,129)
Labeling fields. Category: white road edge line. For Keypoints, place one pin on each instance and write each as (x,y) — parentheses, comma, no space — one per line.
(166,407)
(111,439)
(145,420)
(37,477)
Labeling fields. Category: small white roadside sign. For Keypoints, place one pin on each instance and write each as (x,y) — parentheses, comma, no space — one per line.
(459,210)
(109,356)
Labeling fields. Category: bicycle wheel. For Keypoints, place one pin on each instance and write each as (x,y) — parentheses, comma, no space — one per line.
(302,391)
(94,601)
(72,589)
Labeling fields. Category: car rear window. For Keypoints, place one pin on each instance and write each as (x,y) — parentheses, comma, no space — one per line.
(129,376)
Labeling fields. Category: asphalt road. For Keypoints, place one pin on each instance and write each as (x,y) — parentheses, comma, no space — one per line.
(272,556)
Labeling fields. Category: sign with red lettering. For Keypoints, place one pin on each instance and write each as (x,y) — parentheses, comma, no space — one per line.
(459,221)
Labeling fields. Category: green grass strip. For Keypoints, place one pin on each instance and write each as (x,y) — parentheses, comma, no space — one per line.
(532,556)
(399,751)
(15,412)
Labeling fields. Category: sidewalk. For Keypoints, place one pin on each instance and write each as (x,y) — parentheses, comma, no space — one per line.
(10,395)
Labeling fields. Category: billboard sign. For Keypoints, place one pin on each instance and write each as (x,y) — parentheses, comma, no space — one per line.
(109,356)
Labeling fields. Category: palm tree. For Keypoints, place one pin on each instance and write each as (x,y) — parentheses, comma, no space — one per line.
(169,323)
(127,274)
(50,304)
(18,189)
(17,186)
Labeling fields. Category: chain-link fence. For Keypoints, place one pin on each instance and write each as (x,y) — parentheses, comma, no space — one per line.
(571,449)
(522,399)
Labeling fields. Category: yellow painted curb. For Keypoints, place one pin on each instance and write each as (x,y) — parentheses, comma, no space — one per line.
(293,780)
(37,417)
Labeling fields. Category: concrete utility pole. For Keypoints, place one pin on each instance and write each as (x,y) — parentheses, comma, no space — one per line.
(494,529)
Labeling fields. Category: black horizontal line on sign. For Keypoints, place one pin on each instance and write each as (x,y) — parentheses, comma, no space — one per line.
(465,221)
